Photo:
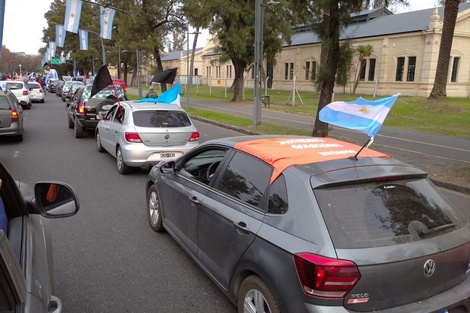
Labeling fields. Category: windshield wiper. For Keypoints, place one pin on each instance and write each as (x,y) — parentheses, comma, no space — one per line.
(423,232)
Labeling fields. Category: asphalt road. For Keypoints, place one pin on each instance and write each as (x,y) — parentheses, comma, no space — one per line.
(106,258)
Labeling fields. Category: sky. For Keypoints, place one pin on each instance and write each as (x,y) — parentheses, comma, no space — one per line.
(24,21)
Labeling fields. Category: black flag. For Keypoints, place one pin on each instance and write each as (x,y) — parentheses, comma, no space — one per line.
(102,80)
(165,77)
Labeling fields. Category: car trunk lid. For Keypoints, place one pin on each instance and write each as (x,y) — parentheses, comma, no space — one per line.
(5,118)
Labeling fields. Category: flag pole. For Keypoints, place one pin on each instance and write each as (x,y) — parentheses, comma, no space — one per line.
(367,144)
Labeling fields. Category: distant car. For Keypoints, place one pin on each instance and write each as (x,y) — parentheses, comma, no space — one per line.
(59,86)
(19,90)
(143,134)
(35,92)
(71,93)
(298,224)
(122,83)
(52,84)
(67,87)
(66,78)
(11,116)
(83,109)
(26,264)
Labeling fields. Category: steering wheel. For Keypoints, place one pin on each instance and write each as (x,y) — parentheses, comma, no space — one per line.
(211,169)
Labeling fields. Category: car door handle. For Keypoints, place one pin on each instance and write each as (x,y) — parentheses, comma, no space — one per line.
(194,201)
(115,132)
(241,228)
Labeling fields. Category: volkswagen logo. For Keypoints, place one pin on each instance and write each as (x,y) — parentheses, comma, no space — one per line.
(167,136)
(429,268)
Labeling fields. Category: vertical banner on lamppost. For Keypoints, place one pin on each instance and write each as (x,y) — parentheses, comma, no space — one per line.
(73,8)
(2,16)
(106,22)
(59,35)
(83,39)
(52,48)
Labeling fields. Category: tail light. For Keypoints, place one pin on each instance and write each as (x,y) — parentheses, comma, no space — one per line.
(324,277)
(132,137)
(81,108)
(25,92)
(194,137)
(14,116)
(40,90)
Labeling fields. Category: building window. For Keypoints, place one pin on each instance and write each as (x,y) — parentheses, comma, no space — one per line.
(289,71)
(229,71)
(400,67)
(371,70)
(196,71)
(307,70)
(455,67)
(410,76)
(362,72)
(218,71)
(286,71)
(209,71)
(310,69)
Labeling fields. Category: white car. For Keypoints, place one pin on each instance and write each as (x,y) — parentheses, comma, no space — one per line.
(36,93)
(19,89)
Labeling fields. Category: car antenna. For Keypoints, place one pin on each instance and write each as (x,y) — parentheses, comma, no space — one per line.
(366,145)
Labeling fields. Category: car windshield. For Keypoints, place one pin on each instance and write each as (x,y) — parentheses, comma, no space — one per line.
(157,118)
(385,213)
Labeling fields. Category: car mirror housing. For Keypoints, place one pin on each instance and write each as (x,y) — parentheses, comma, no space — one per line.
(167,167)
(55,200)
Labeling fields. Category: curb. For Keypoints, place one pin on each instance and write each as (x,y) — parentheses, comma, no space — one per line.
(437,182)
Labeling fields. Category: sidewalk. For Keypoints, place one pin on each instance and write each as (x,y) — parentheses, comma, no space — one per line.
(431,153)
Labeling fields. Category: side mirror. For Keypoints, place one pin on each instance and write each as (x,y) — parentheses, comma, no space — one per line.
(167,167)
(55,199)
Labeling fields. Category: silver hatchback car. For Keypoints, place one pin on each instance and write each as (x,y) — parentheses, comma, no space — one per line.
(11,116)
(143,134)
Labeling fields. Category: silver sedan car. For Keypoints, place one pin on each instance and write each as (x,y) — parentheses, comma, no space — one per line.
(143,134)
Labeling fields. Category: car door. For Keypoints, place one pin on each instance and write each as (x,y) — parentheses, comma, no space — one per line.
(231,214)
(107,135)
(115,128)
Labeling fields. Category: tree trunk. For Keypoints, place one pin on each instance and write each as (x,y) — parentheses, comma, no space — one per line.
(451,10)
(239,68)
(330,52)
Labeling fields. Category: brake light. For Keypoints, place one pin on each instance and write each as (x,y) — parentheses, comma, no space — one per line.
(324,277)
(194,137)
(81,108)
(25,92)
(14,116)
(132,137)
(40,90)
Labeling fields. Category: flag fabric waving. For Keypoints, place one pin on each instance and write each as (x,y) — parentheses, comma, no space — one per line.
(83,34)
(59,35)
(73,8)
(101,80)
(363,115)
(165,77)
(171,96)
(52,48)
(106,22)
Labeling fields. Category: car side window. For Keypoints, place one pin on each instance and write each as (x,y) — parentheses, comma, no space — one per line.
(246,178)
(4,104)
(203,165)
(109,116)
(119,116)
(277,198)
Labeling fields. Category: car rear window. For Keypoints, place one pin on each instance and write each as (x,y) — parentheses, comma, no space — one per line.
(15,86)
(4,104)
(157,118)
(34,86)
(385,213)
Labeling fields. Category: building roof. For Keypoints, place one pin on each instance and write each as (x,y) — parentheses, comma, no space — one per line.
(177,55)
(415,21)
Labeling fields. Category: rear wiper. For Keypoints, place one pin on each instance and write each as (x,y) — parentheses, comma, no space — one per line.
(423,232)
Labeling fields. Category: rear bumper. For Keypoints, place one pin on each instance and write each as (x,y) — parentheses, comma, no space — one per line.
(140,155)
(88,122)
(12,130)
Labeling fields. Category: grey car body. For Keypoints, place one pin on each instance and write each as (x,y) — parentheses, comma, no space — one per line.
(345,234)
(143,134)
(26,266)
(11,116)
(67,89)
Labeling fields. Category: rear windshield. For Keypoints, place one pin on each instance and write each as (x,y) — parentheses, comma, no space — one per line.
(152,118)
(33,86)
(385,213)
(4,104)
(13,86)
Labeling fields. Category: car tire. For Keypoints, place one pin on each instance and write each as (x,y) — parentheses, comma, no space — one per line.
(104,105)
(78,130)
(70,122)
(19,138)
(154,210)
(254,288)
(121,165)
(99,147)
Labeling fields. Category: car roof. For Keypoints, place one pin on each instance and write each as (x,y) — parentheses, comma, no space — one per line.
(153,106)
(284,151)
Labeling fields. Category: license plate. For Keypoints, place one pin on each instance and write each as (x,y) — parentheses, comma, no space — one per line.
(165,155)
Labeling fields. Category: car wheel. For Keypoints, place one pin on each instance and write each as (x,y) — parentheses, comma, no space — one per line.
(121,166)
(70,122)
(99,147)
(28,106)
(255,297)
(19,138)
(78,130)
(42,101)
(154,210)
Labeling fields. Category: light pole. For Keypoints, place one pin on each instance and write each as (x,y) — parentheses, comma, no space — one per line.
(189,74)
(103,52)
(20,70)
(259,10)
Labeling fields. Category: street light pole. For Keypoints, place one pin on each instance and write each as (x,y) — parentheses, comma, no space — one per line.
(257,64)
(187,66)
(20,70)
(119,62)
(103,52)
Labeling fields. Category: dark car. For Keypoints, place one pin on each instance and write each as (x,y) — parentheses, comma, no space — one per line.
(26,266)
(58,90)
(67,88)
(301,224)
(52,84)
(83,109)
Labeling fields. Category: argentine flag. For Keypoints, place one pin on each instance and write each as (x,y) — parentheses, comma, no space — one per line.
(106,22)
(83,34)
(59,35)
(363,115)
(171,96)
(73,8)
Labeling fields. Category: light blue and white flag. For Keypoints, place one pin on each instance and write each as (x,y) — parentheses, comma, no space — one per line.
(44,59)
(73,8)
(62,57)
(67,56)
(171,96)
(363,115)
(59,35)
(2,18)
(52,49)
(83,34)
(77,75)
(106,22)
(53,73)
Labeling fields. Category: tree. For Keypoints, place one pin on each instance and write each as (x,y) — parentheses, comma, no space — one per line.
(439,87)
(234,23)
(363,53)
